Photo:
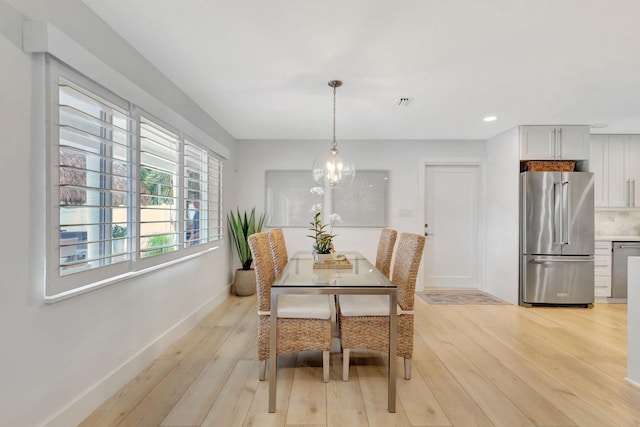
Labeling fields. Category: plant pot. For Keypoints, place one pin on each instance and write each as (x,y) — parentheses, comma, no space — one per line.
(322,258)
(244,283)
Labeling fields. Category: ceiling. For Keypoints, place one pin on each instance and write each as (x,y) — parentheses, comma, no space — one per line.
(260,68)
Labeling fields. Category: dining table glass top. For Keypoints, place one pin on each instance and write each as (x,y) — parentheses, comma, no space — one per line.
(359,272)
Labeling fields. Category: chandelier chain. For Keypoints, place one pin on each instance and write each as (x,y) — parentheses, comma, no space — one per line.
(333,142)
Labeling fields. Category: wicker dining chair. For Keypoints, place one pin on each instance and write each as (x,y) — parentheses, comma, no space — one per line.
(304,321)
(279,250)
(364,319)
(385,250)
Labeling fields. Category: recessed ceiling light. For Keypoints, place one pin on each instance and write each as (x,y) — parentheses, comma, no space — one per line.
(490,119)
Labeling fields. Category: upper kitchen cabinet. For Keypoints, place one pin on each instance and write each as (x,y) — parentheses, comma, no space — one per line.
(615,162)
(554,142)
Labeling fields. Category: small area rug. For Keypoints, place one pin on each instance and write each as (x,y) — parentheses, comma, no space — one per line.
(457,297)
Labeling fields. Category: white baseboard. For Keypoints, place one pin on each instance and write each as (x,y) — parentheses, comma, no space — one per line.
(632,382)
(87,402)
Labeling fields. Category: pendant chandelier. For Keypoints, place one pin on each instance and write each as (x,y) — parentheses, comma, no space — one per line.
(331,168)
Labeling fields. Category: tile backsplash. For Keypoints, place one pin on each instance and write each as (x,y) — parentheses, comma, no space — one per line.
(617,223)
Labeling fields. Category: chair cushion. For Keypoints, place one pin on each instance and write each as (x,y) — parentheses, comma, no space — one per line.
(364,305)
(304,306)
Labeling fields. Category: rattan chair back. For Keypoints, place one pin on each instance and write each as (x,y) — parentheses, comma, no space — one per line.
(264,267)
(405,267)
(385,250)
(279,250)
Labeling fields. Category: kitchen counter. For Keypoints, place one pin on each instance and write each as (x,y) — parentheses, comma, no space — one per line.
(618,238)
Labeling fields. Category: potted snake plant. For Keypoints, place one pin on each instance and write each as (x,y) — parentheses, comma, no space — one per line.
(241,226)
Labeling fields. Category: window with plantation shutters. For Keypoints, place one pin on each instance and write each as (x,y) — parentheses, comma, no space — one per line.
(196,194)
(159,207)
(93,176)
(202,195)
(216,221)
(128,192)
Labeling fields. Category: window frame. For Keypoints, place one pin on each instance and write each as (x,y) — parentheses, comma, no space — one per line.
(59,286)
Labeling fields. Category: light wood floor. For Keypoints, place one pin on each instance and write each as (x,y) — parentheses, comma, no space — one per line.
(480,365)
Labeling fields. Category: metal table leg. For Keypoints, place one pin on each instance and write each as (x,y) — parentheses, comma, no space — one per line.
(393,343)
(273,355)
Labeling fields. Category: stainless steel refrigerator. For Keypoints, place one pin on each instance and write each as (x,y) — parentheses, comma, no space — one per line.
(557,238)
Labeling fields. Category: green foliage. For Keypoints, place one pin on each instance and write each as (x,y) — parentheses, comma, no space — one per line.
(241,227)
(323,240)
(164,242)
(157,186)
(118,231)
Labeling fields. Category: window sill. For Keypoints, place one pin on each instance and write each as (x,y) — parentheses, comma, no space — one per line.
(51,299)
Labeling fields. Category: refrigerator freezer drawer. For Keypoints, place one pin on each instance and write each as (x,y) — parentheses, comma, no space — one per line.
(548,279)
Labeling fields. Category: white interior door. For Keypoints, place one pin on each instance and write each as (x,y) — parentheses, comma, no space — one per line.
(451,257)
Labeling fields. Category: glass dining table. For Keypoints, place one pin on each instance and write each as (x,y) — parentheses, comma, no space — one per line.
(356,275)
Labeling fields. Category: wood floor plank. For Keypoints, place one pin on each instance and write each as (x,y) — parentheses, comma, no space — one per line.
(459,407)
(533,405)
(475,365)
(308,400)
(236,396)
(258,414)
(574,407)
(159,402)
(466,320)
(500,409)
(618,400)
(118,406)
(197,400)
(602,391)
(582,338)
(373,384)
(345,406)
(230,313)
(418,401)
(476,346)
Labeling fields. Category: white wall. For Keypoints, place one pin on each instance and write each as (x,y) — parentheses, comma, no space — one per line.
(502,250)
(404,160)
(59,361)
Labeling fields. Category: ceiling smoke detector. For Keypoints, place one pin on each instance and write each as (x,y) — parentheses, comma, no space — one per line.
(403,102)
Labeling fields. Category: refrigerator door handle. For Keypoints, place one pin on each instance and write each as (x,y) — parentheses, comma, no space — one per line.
(557,213)
(566,213)
(523,213)
(542,259)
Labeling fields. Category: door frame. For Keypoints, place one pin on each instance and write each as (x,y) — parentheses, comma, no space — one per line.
(480,163)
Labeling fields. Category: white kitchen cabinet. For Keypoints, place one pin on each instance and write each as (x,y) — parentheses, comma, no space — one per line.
(602,268)
(615,162)
(554,142)
(599,165)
